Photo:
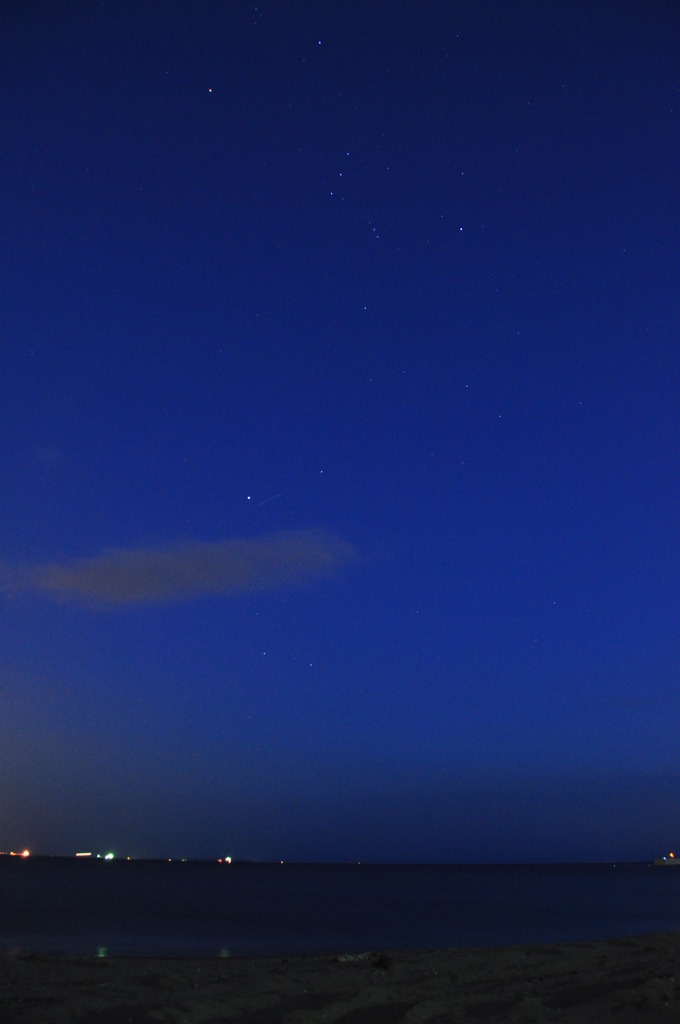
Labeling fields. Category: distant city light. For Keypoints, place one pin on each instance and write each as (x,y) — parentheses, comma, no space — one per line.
(83,855)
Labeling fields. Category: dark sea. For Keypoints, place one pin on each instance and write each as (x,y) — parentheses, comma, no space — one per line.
(157,908)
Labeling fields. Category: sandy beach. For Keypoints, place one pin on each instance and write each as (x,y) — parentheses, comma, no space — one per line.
(624,980)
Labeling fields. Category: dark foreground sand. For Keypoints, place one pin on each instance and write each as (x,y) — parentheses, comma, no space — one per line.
(626,980)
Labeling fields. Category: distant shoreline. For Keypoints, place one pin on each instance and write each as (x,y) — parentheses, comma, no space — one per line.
(241,861)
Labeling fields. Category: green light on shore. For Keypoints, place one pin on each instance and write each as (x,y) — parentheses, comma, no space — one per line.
(108,856)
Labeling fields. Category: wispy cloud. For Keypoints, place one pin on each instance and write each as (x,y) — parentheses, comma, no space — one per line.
(139,576)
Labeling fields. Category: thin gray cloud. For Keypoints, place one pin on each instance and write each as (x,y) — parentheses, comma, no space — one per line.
(144,576)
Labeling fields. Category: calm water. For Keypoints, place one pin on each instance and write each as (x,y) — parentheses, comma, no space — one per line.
(204,909)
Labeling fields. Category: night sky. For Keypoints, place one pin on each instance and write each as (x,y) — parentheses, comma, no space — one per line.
(340,410)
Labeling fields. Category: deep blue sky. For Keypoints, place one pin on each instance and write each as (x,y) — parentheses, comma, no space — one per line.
(340,418)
